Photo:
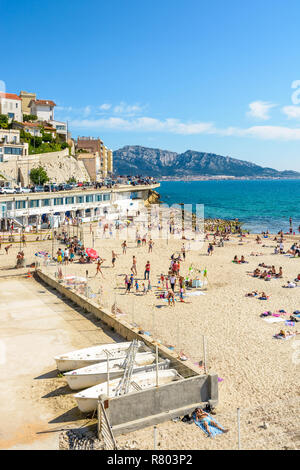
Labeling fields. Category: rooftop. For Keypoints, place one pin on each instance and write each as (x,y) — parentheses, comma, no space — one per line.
(10,96)
(43,102)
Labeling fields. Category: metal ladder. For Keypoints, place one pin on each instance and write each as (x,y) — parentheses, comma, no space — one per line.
(128,364)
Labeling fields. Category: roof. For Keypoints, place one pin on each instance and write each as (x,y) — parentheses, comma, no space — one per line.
(10,96)
(43,102)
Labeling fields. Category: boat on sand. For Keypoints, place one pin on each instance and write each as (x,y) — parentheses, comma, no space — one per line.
(96,373)
(87,399)
(87,356)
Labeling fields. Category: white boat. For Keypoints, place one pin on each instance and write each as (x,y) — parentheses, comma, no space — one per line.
(87,399)
(87,356)
(97,373)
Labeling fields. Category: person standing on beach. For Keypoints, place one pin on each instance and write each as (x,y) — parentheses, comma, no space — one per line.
(98,268)
(133,267)
(147,271)
(124,247)
(113,258)
(150,245)
(172,279)
(183,252)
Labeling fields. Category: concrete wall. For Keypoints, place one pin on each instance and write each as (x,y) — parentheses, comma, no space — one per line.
(136,410)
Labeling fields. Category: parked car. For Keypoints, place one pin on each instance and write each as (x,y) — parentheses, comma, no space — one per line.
(7,190)
(50,188)
(22,190)
(37,189)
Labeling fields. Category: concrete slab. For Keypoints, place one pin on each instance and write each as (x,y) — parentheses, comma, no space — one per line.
(36,325)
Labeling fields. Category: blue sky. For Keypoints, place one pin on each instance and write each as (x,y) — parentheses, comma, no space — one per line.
(211,76)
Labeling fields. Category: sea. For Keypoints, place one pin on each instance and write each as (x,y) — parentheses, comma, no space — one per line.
(260,204)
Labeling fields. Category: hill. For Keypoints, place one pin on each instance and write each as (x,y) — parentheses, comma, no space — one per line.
(137,160)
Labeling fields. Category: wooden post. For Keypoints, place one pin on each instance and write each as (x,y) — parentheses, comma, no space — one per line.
(99,419)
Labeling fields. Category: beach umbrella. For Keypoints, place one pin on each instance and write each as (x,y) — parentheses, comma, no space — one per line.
(92,253)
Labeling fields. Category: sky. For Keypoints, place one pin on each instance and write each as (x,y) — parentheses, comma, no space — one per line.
(218,76)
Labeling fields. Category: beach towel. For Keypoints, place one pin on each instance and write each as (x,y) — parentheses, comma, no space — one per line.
(289,323)
(195,293)
(273,320)
(281,337)
(214,431)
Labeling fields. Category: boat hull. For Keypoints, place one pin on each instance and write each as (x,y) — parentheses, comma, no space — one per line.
(87,400)
(78,380)
(85,357)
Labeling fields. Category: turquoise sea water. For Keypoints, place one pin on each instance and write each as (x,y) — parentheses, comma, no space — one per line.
(261,205)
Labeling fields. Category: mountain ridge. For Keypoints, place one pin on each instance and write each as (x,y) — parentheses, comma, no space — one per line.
(139,160)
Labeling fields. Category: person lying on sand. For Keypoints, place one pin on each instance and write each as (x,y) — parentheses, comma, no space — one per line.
(286,334)
(264,296)
(252,294)
(290,285)
(205,419)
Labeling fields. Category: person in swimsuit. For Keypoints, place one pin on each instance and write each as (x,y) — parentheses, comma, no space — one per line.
(113,258)
(207,421)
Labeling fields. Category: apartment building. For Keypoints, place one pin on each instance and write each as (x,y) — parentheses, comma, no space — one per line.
(96,147)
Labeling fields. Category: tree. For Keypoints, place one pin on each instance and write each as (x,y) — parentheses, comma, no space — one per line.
(39,175)
(29,117)
(4,121)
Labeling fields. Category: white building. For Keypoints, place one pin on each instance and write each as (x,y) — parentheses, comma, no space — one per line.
(61,129)
(87,205)
(10,145)
(43,109)
(11,105)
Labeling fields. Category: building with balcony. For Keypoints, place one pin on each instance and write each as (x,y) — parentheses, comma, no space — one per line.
(53,207)
(61,129)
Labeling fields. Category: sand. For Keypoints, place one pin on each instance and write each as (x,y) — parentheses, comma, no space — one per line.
(260,375)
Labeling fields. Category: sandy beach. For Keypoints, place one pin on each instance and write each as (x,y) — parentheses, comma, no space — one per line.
(257,373)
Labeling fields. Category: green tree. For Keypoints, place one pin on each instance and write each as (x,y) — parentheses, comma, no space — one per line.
(29,117)
(4,121)
(39,175)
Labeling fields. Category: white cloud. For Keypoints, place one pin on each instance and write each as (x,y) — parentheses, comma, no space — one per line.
(87,111)
(260,110)
(105,106)
(175,126)
(292,112)
(124,108)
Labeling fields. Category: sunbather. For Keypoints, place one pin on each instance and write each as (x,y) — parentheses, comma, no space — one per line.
(206,420)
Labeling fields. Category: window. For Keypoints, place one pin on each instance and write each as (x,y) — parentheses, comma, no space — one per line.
(45,202)
(12,151)
(58,201)
(34,203)
(20,204)
(80,199)
(89,198)
(106,197)
(69,200)
(98,197)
